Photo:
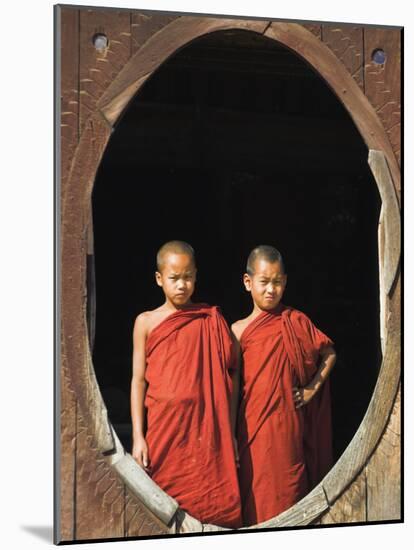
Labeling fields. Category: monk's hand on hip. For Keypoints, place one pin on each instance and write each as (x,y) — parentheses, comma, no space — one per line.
(140,453)
(302,396)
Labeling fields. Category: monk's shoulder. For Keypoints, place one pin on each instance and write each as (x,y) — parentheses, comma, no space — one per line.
(215,310)
(238,327)
(147,319)
(300,318)
(141,321)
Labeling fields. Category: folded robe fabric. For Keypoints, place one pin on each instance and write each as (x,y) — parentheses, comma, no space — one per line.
(284,451)
(190,356)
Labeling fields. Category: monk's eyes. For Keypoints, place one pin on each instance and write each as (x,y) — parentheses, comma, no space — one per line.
(185,278)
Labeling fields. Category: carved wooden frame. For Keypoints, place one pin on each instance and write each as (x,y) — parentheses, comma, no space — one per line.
(75,227)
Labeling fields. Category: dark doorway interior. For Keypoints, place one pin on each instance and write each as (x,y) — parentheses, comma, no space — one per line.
(235,142)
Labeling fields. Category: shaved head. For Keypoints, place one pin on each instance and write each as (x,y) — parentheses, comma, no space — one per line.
(264,252)
(174,247)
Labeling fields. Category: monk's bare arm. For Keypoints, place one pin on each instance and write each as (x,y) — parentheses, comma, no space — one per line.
(138,389)
(302,396)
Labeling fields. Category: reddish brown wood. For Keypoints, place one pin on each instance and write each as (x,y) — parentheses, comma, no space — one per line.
(138,520)
(143,26)
(314,28)
(99,68)
(347,44)
(99,492)
(69,44)
(351,506)
(383,82)
(69,61)
(384,472)
(67,456)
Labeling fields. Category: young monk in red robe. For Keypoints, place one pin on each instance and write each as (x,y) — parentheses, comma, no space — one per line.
(284,427)
(183,413)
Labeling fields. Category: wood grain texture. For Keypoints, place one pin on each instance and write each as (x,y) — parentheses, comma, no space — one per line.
(75,210)
(69,90)
(383,82)
(98,68)
(347,44)
(142,486)
(391,218)
(145,25)
(68,19)
(350,507)
(382,293)
(67,468)
(139,521)
(303,513)
(314,28)
(383,472)
(99,493)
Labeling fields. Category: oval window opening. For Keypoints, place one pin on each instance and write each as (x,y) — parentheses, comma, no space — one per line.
(235,141)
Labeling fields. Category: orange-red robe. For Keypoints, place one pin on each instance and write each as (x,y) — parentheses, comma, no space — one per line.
(284,451)
(190,355)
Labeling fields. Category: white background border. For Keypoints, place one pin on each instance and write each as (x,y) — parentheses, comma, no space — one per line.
(26,273)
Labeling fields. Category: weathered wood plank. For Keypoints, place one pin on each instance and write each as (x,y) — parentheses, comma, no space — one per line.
(350,506)
(347,43)
(145,25)
(67,21)
(391,217)
(314,28)
(90,282)
(140,484)
(384,472)
(382,293)
(67,444)
(98,68)
(383,81)
(303,513)
(69,89)
(139,521)
(99,492)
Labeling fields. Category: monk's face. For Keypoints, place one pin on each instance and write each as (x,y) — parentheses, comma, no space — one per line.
(267,284)
(177,278)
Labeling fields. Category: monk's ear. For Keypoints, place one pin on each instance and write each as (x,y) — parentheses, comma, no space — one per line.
(158,278)
(247,282)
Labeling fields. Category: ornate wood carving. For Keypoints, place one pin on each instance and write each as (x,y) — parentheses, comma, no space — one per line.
(383,82)
(347,43)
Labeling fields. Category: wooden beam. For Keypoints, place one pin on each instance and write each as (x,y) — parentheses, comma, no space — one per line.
(67,25)
(383,82)
(155,499)
(391,217)
(302,513)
